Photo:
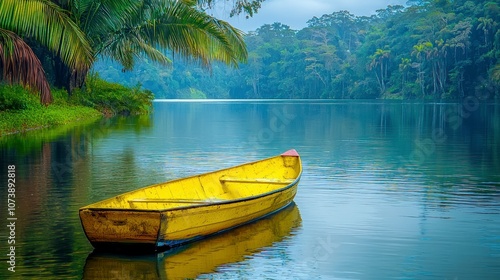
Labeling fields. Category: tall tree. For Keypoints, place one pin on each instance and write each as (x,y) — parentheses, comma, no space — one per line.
(422,52)
(379,62)
(124,30)
(77,32)
(50,25)
(20,65)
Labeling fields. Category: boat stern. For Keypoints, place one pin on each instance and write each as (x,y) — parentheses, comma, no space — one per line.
(114,228)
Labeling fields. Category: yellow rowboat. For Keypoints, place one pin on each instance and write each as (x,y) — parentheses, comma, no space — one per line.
(169,214)
(204,256)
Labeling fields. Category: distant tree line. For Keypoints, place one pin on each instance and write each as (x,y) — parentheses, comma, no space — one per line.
(437,49)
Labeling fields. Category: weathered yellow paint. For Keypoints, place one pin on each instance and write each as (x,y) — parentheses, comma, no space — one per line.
(109,225)
(200,258)
(181,210)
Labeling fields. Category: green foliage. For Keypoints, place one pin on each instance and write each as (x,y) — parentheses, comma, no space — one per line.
(436,49)
(170,82)
(61,97)
(17,98)
(21,110)
(69,35)
(17,121)
(113,98)
(44,22)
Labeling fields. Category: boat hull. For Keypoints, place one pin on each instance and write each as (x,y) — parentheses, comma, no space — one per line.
(186,225)
(166,215)
(115,228)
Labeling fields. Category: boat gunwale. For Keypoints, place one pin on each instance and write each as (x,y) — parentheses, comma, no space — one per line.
(229,201)
(247,198)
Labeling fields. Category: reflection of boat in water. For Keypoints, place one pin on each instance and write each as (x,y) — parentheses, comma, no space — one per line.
(196,258)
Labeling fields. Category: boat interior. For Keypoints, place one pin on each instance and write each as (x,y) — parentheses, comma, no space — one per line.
(239,182)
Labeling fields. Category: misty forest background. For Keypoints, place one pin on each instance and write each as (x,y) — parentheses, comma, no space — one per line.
(438,49)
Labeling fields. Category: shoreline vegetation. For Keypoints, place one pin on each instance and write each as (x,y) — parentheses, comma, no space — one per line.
(46,46)
(21,111)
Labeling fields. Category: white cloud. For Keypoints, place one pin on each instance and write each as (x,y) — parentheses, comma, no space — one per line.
(295,13)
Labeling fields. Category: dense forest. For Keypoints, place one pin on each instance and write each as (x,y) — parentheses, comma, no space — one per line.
(437,49)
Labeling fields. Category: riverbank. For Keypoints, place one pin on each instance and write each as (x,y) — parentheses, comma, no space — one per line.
(37,118)
(21,111)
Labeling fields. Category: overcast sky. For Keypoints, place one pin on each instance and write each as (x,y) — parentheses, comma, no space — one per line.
(296,13)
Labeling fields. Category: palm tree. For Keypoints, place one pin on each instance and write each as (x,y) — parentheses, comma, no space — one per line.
(404,67)
(124,30)
(422,52)
(486,24)
(379,58)
(20,65)
(48,24)
(79,31)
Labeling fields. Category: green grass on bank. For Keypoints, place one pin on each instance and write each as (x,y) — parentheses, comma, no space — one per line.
(21,110)
(20,121)
(37,116)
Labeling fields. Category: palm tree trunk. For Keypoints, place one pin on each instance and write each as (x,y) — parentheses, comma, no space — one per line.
(68,78)
(76,80)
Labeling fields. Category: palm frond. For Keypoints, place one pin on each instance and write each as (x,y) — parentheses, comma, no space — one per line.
(177,26)
(20,65)
(49,24)
(98,19)
(182,28)
(129,45)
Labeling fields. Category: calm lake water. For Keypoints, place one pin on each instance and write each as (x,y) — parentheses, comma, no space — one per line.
(390,190)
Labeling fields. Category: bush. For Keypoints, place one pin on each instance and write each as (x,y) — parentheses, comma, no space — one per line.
(17,98)
(61,97)
(113,98)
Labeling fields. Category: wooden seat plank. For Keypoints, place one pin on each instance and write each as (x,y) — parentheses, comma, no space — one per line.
(173,200)
(256,180)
